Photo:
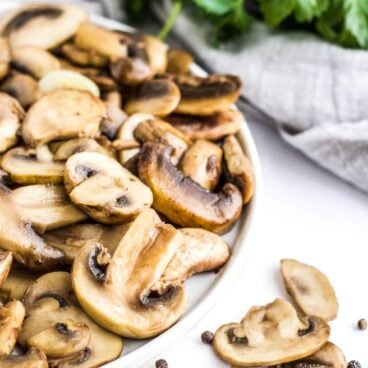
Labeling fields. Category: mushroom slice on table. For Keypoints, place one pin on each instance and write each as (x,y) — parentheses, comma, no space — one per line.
(158,97)
(200,251)
(126,143)
(239,167)
(23,87)
(18,236)
(123,301)
(76,145)
(41,25)
(212,127)
(270,335)
(179,61)
(207,95)
(6,261)
(4,57)
(34,358)
(34,61)
(158,131)
(47,206)
(83,57)
(310,289)
(202,163)
(61,114)
(11,319)
(60,328)
(29,166)
(183,200)
(104,189)
(11,115)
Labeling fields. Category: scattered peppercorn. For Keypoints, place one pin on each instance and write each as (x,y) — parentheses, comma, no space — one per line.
(207,337)
(161,363)
(354,364)
(362,324)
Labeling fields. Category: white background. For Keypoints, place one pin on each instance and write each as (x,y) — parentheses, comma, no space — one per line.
(307,214)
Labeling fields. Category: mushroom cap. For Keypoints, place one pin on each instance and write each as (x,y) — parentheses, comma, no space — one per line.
(270,335)
(27,25)
(64,113)
(183,200)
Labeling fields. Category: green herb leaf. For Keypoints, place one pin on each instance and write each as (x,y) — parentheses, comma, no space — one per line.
(275,11)
(217,7)
(356,20)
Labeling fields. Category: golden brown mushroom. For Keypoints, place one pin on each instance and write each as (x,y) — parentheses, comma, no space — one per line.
(6,260)
(4,57)
(34,358)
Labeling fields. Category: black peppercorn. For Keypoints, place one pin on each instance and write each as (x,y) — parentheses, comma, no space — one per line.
(362,324)
(207,337)
(161,363)
(354,364)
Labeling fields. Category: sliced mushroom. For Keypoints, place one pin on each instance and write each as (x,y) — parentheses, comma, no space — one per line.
(62,329)
(6,260)
(47,206)
(10,117)
(183,200)
(34,60)
(202,163)
(67,79)
(310,289)
(83,57)
(27,166)
(270,335)
(212,127)
(159,131)
(41,25)
(239,167)
(158,97)
(126,140)
(63,114)
(102,41)
(4,57)
(208,95)
(200,251)
(76,145)
(179,61)
(11,319)
(116,291)
(18,236)
(156,52)
(104,189)
(34,358)
(23,87)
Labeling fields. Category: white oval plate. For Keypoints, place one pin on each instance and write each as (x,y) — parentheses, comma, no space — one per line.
(205,289)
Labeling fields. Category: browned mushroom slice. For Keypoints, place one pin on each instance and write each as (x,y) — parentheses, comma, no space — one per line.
(23,87)
(310,289)
(202,162)
(179,61)
(157,97)
(102,41)
(34,358)
(104,189)
(4,57)
(239,167)
(27,166)
(159,131)
(57,325)
(11,115)
(34,60)
(46,206)
(83,57)
(212,127)
(63,114)
(123,302)
(11,319)
(6,260)
(200,251)
(156,52)
(207,96)
(270,335)
(41,25)
(183,200)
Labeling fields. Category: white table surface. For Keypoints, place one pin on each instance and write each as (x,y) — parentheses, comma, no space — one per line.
(307,214)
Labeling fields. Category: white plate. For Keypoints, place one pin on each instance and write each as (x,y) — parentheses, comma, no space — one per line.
(205,289)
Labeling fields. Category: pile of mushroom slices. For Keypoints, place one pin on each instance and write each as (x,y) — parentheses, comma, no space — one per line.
(101,133)
(281,335)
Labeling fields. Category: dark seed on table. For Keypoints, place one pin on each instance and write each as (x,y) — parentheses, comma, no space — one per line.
(207,337)
(161,363)
(354,364)
(362,324)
